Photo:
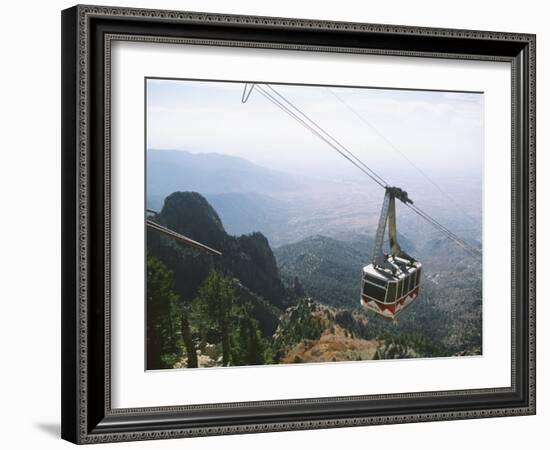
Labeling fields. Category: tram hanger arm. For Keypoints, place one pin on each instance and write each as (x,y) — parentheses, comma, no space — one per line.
(399,194)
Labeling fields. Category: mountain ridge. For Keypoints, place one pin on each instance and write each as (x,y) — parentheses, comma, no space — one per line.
(208,173)
(247,257)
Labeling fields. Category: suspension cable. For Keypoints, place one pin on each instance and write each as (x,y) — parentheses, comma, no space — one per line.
(302,118)
(396,149)
(317,126)
(473,251)
(326,137)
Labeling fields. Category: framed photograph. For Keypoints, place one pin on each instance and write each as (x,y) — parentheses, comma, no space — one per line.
(279,224)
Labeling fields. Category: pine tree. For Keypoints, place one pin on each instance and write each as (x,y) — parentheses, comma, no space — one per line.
(248,346)
(192,360)
(213,306)
(162,316)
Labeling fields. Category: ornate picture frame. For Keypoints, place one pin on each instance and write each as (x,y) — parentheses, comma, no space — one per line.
(88,33)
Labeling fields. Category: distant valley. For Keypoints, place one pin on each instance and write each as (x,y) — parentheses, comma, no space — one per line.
(290,208)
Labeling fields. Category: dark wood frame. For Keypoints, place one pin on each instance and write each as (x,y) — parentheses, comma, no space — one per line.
(87,415)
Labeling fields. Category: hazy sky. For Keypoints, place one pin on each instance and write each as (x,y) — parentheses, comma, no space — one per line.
(441,132)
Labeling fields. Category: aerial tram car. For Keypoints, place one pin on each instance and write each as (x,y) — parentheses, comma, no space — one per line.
(391,282)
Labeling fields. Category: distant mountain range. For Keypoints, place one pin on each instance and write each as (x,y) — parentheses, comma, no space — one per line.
(288,208)
(210,174)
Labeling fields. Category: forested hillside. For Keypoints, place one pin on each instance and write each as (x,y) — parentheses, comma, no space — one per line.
(448,311)
(328,269)
(301,304)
